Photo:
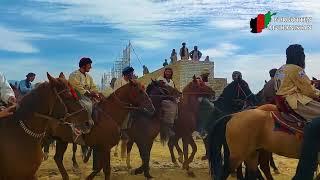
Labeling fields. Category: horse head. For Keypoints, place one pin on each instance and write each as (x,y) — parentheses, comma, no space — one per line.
(66,106)
(159,91)
(133,96)
(198,88)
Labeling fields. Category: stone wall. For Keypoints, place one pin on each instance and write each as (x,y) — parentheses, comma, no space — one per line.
(183,72)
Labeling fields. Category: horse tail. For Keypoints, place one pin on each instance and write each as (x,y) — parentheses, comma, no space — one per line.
(164,134)
(216,139)
(123,148)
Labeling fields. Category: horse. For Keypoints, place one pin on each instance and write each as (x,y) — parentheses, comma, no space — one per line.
(21,134)
(186,122)
(145,129)
(234,98)
(108,115)
(242,134)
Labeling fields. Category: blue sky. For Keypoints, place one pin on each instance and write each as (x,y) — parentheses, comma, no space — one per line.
(52,35)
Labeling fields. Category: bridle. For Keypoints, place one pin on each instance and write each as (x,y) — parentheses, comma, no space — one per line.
(124,104)
(49,116)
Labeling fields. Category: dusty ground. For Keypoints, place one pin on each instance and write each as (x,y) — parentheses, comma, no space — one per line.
(161,168)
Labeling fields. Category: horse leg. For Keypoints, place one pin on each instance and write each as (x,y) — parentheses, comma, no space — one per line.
(107,167)
(147,161)
(239,172)
(273,165)
(193,153)
(180,153)
(129,148)
(116,149)
(84,150)
(170,146)
(74,160)
(264,161)
(61,148)
(205,157)
(98,155)
(145,157)
(185,142)
(46,151)
(252,165)
(175,142)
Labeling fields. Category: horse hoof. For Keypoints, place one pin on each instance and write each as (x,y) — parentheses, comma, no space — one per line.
(180,159)
(175,164)
(185,166)
(150,178)
(277,171)
(191,174)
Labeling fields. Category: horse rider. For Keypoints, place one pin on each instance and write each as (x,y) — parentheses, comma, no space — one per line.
(167,77)
(7,97)
(127,75)
(25,85)
(238,87)
(84,85)
(269,91)
(169,106)
(292,83)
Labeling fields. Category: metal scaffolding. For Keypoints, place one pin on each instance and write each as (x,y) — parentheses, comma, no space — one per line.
(116,70)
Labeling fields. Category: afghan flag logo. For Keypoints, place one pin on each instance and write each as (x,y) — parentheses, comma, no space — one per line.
(260,22)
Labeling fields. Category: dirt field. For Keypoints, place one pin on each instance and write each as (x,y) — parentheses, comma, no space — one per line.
(161,167)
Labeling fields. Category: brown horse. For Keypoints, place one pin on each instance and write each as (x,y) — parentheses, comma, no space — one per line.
(186,123)
(145,129)
(108,115)
(21,134)
(242,134)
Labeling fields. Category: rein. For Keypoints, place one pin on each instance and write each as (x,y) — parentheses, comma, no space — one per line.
(50,118)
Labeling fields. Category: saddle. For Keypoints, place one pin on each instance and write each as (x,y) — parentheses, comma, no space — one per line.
(286,119)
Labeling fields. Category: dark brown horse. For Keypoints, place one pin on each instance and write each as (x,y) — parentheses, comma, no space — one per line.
(108,115)
(21,134)
(145,129)
(186,123)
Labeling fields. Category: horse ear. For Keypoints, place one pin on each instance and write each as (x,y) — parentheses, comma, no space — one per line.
(62,76)
(131,82)
(51,79)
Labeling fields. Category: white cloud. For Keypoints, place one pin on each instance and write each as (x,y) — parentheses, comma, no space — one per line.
(230,24)
(222,50)
(165,20)
(16,41)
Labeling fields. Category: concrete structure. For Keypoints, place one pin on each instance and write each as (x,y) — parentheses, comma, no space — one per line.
(183,73)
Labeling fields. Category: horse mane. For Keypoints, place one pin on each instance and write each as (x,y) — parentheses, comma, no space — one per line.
(29,103)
